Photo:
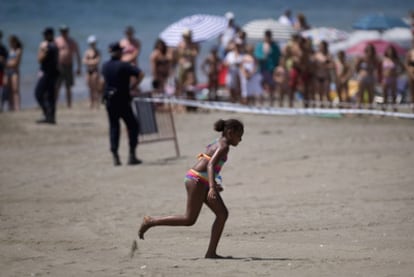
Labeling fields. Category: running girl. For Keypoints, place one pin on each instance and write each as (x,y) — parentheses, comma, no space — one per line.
(201,186)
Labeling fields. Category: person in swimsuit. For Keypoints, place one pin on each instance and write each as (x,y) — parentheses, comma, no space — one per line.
(367,67)
(131,46)
(409,67)
(211,68)
(301,23)
(202,187)
(12,80)
(343,73)
(187,51)
(391,67)
(300,74)
(4,53)
(91,60)
(323,67)
(68,51)
(160,60)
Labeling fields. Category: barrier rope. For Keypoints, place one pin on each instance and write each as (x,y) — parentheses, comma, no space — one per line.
(226,106)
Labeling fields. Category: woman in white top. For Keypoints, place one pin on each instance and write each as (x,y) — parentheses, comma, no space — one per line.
(233,60)
(250,79)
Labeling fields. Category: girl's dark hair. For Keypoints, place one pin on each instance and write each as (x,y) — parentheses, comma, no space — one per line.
(229,124)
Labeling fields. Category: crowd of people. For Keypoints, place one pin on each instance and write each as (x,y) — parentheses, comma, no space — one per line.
(248,73)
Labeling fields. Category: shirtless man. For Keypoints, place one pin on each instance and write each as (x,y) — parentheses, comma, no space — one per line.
(301,71)
(131,47)
(68,50)
(324,65)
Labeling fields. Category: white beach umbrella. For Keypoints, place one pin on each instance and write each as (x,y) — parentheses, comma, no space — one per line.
(255,29)
(354,38)
(327,34)
(401,36)
(202,26)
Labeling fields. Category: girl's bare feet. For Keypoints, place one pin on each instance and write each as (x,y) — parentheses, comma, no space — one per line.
(144,226)
(215,256)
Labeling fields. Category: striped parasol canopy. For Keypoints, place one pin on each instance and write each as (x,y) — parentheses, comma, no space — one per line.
(400,36)
(379,45)
(255,29)
(202,26)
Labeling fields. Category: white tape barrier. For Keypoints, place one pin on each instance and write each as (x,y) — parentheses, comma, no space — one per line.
(225,106)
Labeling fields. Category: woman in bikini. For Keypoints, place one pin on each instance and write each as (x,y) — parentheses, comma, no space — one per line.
(367,67)
(91,60)
(202,187)
(391,67)
(12,80)
(160,60)
(131,46)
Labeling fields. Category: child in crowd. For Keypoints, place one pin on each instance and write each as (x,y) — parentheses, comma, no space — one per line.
(281,76)
(343,73)
(202,187)
(211,67)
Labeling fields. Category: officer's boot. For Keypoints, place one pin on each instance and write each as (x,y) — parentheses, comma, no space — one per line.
(133,160)
(116,159)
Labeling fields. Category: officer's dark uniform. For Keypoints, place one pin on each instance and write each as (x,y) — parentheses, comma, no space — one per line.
(46,85)
(118,102)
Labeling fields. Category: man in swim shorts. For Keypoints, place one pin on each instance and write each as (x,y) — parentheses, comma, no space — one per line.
(68,50)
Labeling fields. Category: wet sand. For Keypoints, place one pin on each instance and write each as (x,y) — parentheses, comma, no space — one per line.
(307,196)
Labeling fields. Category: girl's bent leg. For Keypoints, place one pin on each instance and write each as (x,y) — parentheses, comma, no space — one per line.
(196,194)
(219,208)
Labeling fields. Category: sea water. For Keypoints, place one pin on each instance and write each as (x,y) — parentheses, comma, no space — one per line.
(107,20)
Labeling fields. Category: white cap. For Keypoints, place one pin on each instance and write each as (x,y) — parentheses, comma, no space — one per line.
(187,32)
(91,39)
(229,15)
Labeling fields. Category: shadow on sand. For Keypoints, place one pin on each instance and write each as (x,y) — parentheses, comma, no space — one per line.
(249,259)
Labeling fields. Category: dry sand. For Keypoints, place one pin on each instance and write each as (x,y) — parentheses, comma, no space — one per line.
(307,196)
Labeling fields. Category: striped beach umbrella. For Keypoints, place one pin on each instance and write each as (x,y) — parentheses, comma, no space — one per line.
(255,29)
(400,36)
(379,45)
(203,27)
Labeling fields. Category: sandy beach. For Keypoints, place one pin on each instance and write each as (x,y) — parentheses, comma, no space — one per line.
(307,196)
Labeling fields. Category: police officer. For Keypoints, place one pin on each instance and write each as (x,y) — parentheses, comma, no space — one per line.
(117,75)
(46,85)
